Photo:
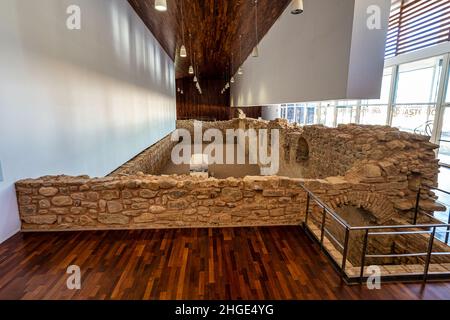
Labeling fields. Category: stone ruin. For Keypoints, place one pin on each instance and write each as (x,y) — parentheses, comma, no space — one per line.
(369,174)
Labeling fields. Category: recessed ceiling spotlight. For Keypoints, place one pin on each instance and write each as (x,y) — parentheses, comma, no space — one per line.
(161,5)
(297,7)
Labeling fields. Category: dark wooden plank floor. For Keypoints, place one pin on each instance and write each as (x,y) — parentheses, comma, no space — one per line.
(242,263)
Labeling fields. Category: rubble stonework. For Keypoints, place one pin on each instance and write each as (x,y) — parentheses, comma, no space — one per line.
(376,168)
(124,202)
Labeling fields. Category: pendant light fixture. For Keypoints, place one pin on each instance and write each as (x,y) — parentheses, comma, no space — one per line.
(231,71)
(240,69)
(255,52)
(195,76)
(161,5)
(183,52)
(297,7)
(191,68)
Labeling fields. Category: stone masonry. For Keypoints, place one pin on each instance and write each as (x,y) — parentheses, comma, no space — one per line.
(375,168)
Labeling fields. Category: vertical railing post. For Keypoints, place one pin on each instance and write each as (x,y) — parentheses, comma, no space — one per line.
(345,253)
(322,232)
(416,212)
(363,255)
(429,253)
(308,200)
(447,235)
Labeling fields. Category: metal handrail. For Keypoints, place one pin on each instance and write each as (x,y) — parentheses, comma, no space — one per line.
(395,233)
(404,226)
(416,212)
(431,230)
(324,206)
(419,193)
(403,255)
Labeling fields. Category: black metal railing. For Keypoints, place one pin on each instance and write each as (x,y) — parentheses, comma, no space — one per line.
(369,232)
(417,208)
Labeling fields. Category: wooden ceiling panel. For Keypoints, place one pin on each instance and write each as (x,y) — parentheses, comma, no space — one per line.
(215,26)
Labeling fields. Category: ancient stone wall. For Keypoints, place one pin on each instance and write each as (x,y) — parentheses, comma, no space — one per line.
(71,203)
(220,125)
(127,202)
(378,169)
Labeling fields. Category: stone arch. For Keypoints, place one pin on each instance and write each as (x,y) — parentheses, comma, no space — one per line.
(375,204)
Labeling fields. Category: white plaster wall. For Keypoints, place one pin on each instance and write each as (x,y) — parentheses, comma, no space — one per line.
(316,56)
(367,51)
(77,102)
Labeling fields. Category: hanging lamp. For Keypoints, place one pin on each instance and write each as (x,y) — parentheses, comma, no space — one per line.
(195,76)
(161,5)
(231,71)
(191,68)
(255,52)
(240,69)
(297,7)
(183,51)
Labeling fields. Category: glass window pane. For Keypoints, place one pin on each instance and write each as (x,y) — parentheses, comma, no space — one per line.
(310,114)
(290,113)
(374,115)
(300,115)
(418,81)
(414,118)
(444,150)
(345,103)
(447,99)
(322,114)
(385,88)
(329,119)
(346,115)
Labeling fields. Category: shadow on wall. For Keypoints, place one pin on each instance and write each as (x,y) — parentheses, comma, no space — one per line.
(302,150)
(77,101)
(9,223)
(137,56)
